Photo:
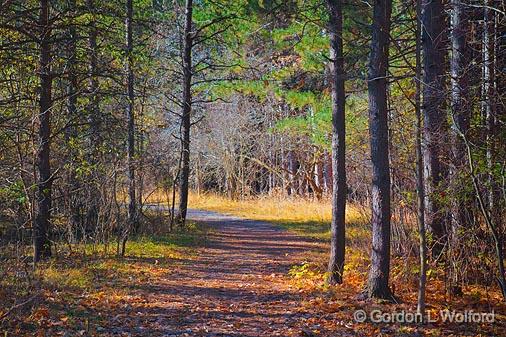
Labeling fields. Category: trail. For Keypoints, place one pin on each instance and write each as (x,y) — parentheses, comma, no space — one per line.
(236,286)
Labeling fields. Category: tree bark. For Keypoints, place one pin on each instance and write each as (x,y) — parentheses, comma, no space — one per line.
(488,105)
(491,110)
(460,84)
(378,129)
(93,109)
(71,130)
(419,170)
(337,245)
(41,244)
(132,210)
(434,113)
(461,113)
(94,121)
(186,114)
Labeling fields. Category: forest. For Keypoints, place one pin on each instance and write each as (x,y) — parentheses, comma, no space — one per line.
(252,168)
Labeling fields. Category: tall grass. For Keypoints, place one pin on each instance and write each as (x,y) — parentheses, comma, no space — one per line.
(300,215)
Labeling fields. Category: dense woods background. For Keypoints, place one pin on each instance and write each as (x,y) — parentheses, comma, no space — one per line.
(395,107)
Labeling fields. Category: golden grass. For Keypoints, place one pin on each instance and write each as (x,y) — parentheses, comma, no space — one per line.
(300,215)
(261,208)
(265,208)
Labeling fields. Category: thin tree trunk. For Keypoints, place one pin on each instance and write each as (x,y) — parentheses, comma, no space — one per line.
(94,113)
(378,129)
(71,131)
(490,207)
(41,244)
(419,170)
(132,211)
(337,245)
(292,168)
(140,152)
(186,114)
(460,109)
(487,105)
(460,84)
(434,113)
(94,120)
(198,175)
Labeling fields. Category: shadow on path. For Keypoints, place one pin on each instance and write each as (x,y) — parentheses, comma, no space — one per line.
(236,286)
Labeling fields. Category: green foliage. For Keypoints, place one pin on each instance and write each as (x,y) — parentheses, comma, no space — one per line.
(14,193)
(316,123)
(298,48)
(247,88)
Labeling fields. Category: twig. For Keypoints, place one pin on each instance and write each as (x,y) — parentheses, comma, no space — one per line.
(17,306)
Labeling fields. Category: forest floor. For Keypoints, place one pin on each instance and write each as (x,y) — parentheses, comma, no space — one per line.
(246,278)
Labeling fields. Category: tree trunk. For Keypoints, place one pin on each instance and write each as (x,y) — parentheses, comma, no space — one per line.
(337,245)
(41,244)
(460,84)
(94,120)
(435,126)
(186,114)
(71,130)
(378,130)
(487,105)
(292,168)
(132,211)
(419,170)
(461,115)
(94,113)
(327,172)
(490,111)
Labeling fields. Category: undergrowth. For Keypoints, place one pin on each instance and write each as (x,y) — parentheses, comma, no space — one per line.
(58,291)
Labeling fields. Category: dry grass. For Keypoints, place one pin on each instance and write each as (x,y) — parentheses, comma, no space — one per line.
(303,216)
(267,208)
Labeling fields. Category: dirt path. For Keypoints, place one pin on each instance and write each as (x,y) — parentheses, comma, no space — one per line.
(235,287)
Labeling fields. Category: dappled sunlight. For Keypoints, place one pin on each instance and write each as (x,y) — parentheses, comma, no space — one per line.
(252,168)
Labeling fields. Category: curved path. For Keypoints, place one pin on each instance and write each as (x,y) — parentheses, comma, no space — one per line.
(236,286)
